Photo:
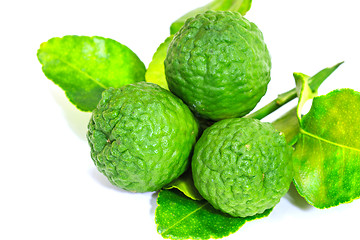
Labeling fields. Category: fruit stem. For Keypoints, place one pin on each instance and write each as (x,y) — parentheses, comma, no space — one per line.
(314,83)
(281,100)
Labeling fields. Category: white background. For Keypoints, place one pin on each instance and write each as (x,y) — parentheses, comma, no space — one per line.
(49,187)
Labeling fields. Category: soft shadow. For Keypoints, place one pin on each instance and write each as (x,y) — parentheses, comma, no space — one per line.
(76,119)
(153,203)
(296,199)
(103,181)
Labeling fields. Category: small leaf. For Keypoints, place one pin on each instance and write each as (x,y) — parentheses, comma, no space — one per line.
(156,70)
(241,6)
(307,87)
(85,66)
(316,80)
(303,90)
(185,184)
(179,217)
(327,153)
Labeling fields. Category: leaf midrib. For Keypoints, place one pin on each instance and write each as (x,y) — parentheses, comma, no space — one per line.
(79,70)
(186,216)
(327,141)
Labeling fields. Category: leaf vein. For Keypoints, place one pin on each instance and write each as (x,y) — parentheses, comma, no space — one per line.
(327,141)
(81,71)
(186,216)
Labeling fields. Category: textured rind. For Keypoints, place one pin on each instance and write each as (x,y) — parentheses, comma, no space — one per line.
(242,166)
(141,136)
(219,65)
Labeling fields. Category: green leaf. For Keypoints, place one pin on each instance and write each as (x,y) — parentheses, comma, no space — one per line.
(327,153)
(316,80)
(85,66)
(185,184)
(303,90)
(241,6)
(156,70)
(179,217)
(307,87)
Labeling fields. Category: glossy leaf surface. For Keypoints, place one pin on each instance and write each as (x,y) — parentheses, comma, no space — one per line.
(85,66)
(179,217)
(156,70)
(327,153)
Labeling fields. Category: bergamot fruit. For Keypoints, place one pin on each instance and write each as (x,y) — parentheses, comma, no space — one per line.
(218,64)
(141,136)
(242,166)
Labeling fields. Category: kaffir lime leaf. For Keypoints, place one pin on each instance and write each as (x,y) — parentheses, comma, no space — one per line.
(242,166)
(327,154)
(218,64)
(141,136)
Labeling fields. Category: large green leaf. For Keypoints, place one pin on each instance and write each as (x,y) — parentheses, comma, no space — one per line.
(179,217)
(85,66)
(327,153)
(241,6)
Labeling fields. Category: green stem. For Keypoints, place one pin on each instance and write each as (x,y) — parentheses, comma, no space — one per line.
(281,100)
(314,83)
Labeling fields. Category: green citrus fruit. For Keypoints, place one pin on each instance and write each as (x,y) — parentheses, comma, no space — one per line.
(218,64)
(141,136)
(242,166)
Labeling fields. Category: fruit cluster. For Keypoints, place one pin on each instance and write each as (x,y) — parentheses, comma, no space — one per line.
(217,68)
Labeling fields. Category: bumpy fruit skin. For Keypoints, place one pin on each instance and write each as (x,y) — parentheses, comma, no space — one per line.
(219,65)
(242,166)
(141,136)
